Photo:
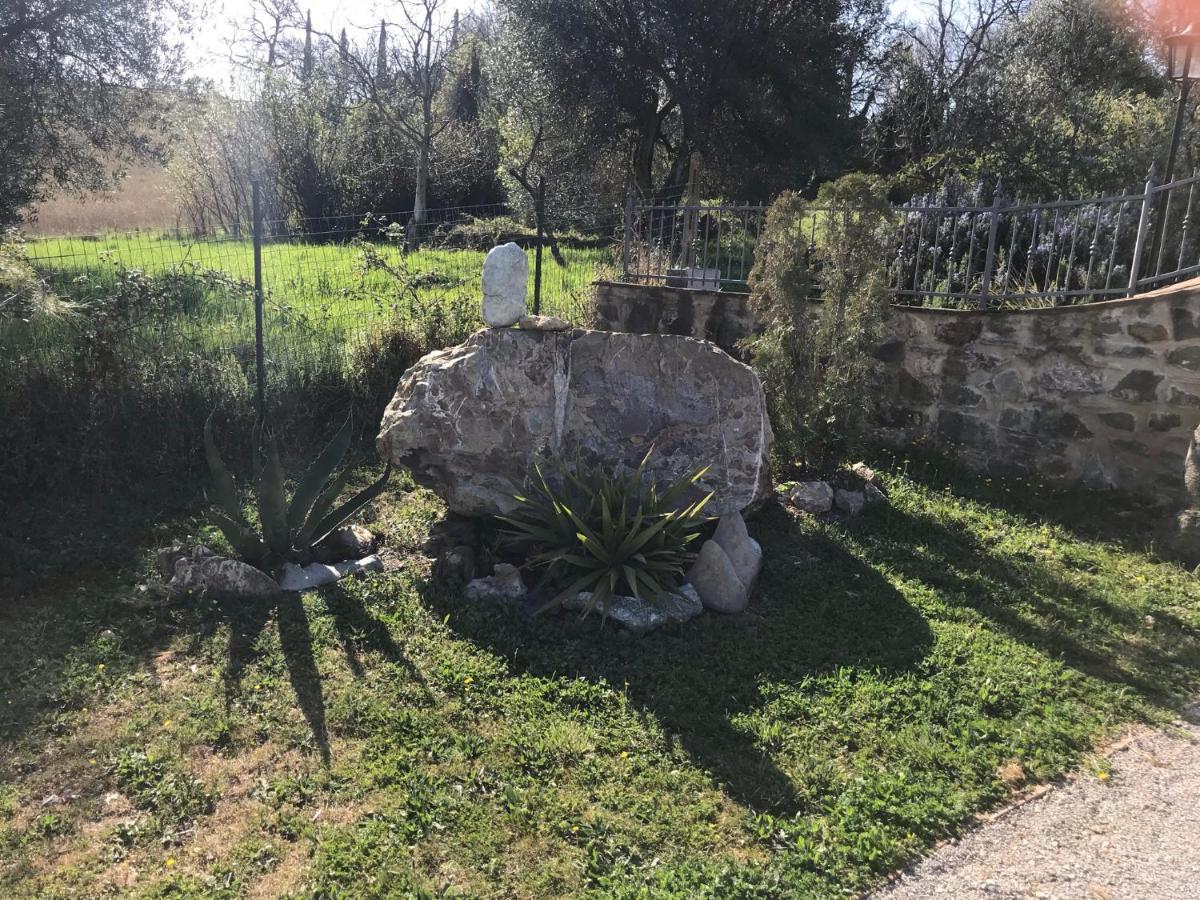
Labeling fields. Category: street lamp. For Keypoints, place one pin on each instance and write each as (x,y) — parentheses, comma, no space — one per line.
(1183,67)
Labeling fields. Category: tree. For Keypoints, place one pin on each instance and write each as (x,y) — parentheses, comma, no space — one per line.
(78,91)
(687,80)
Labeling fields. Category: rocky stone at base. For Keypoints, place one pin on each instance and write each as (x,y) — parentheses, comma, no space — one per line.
(314,575)
(645,615)
(350,542)
(1191,472)
(716,580)
(201,572)
(505,279)
(743,551)
(814,497)
(168,556)
(849,502)
(543,323)
(504,585)
(470,422)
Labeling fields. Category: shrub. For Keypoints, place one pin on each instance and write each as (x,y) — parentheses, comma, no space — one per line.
(815,359)
(608,534)
(288,530)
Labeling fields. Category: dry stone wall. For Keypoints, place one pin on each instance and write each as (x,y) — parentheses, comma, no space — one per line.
(1104,394)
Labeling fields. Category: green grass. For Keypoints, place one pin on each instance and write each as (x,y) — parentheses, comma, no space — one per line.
(318,297)
(893,677)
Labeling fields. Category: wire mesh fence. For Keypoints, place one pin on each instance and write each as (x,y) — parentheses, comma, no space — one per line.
(328,284)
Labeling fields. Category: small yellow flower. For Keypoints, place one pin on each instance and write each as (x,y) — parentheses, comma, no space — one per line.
(84,710)
(167,723)
(574,829)
(624,754)
(92,761)
(1102,775)
(468,680)
(170,862)
(99,667)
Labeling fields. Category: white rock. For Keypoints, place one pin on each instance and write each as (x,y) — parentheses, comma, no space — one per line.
(743,551)
(814,497)
(505,278)
(716,580)
(314,575)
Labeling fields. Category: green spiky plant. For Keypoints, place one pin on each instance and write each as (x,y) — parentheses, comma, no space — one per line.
(608,534)
(289,531)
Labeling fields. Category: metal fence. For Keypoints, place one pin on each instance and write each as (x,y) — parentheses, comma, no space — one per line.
(1006,253)
(327,285)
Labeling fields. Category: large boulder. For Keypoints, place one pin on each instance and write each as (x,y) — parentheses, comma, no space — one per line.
(471,421)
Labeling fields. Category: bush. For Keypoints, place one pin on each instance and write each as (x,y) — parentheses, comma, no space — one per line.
(815,359)
(609,534)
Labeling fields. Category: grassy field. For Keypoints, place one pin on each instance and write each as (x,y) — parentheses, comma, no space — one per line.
(317,296)
(893,676)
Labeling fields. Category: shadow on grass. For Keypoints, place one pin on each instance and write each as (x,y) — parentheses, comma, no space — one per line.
(356,629)
(1034,604)
(1088,514)
(816,608)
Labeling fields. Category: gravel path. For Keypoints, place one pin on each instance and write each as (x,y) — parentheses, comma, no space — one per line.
(1133,836)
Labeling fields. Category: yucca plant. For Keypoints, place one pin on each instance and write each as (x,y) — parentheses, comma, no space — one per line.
(288,530)
(607,534)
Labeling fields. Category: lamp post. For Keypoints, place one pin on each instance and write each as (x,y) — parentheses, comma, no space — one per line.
(1182,50)
(1183,66)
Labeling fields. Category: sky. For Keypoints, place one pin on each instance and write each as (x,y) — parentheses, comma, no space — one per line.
(207,46)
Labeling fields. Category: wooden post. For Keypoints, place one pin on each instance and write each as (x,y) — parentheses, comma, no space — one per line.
(541,236)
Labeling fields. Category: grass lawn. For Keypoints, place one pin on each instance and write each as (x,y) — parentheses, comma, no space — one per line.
(317,296)
(893,676)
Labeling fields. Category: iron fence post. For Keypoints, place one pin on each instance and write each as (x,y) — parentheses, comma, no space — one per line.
(260,370)
(541,236)
(1135,264)
(628,234)
(989,260)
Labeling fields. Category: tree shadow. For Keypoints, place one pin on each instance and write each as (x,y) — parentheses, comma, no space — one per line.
(816,608)
(356,628)
(1033,604)
(1084,513)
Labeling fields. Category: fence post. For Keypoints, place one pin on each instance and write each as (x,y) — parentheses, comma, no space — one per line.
(260,371)
(628,234)
(541,236)
(989,261)
(1135,264)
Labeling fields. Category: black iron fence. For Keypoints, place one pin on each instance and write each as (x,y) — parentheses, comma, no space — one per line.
(1004,253)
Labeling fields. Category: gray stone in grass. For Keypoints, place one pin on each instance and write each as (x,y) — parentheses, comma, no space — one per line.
(505,279)
(873,495)
(168,556)
(1191,471)
(743,551)
(642,615)
(315,575)
(814,497)
(716,580)
(504,585)
(348,542)
(198,574)
(849,502)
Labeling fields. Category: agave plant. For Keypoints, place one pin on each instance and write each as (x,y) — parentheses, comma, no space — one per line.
(289,530)
(607,534)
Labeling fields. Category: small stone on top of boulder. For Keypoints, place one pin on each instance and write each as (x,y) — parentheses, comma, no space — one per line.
(505,279)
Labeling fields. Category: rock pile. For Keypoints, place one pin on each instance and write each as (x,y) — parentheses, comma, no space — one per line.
(857,489)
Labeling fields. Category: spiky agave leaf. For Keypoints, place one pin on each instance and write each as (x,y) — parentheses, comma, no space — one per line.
(224,487)
(338,517)
(272,497)
(318,475)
